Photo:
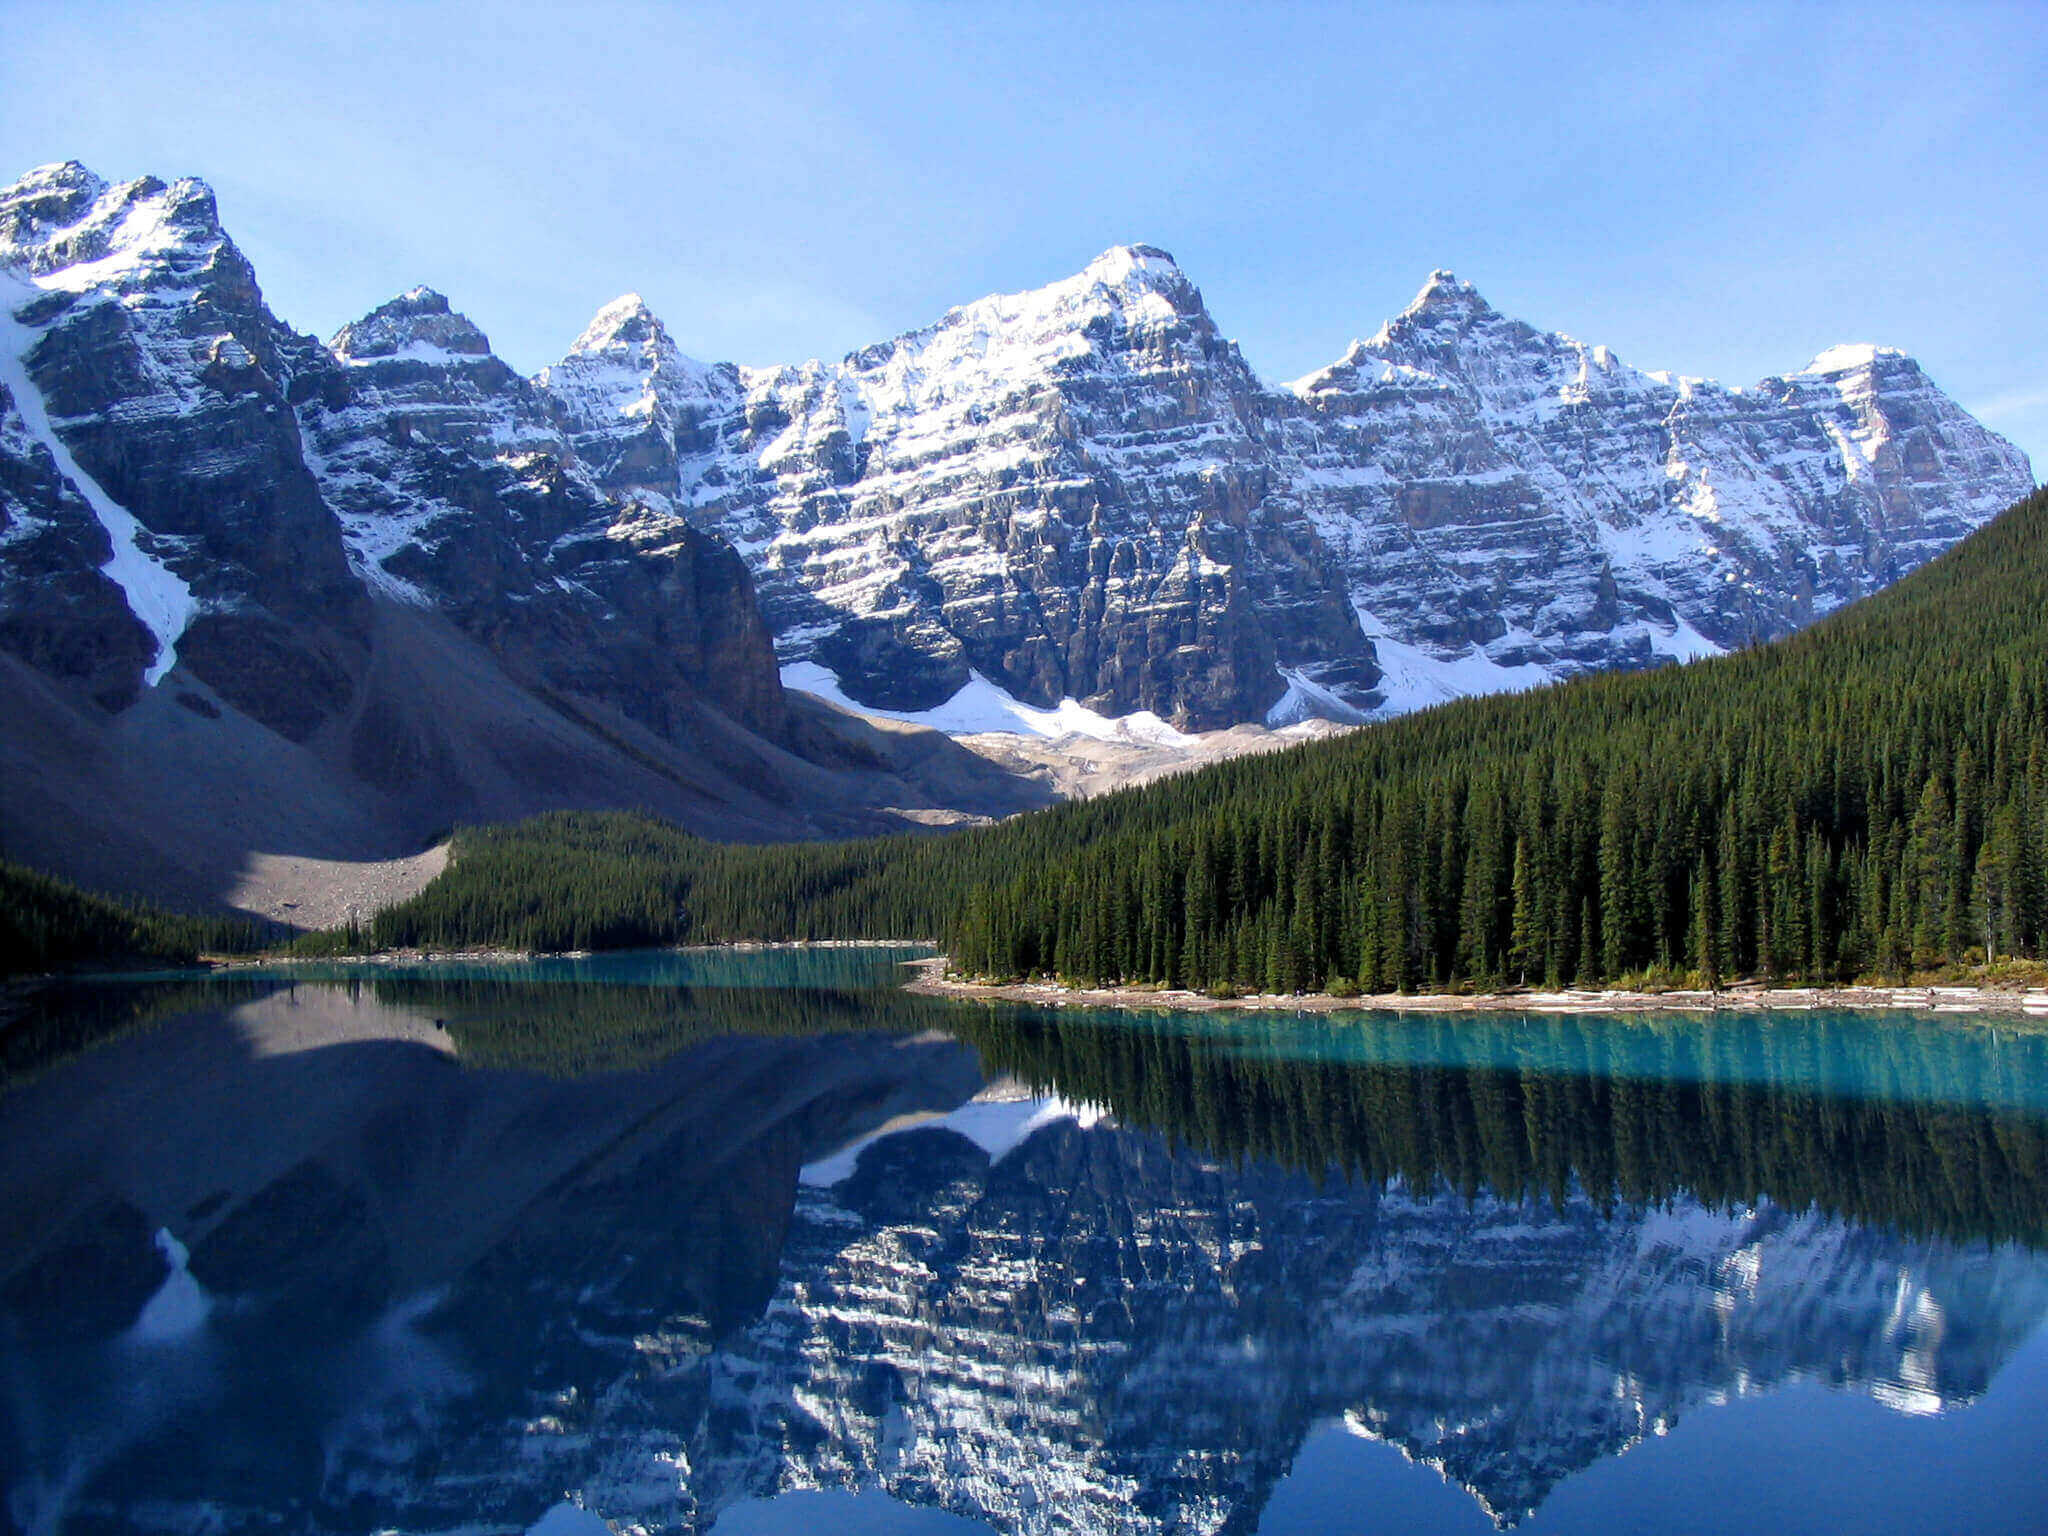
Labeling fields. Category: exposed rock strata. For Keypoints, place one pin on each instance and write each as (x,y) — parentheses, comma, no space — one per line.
(1084,491)
(265,596)
(261,594)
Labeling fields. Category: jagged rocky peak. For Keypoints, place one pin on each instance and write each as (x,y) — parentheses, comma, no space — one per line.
(153,375)
(418,368)
(1134,278)
(48,199)
(1129,285)
(194,495)
(1082,490)
(1079,490)
(417,326)
(626,365)
(631,401)
(1861,361)
(1145,267)
(625,324)
(1443,324)
(69,229)
(1446,299)
(457,490)
(1449,328)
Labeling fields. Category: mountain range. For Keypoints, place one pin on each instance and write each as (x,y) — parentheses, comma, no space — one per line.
(263,595)
(1085,492)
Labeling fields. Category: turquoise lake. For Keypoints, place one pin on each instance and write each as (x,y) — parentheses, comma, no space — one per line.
(757,1242)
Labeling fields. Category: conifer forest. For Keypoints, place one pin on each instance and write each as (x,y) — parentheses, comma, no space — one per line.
(1867,798)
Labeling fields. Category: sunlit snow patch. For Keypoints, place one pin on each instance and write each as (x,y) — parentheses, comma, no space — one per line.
(1847,355)
(1411,678)
(1683,643)
(1306,699)
(980,706)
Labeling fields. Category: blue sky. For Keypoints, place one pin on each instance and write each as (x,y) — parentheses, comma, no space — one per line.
(1715,190)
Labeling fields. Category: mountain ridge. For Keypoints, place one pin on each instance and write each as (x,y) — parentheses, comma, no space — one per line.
(1460,503)
(401,586)
(377,595)
(1082,490)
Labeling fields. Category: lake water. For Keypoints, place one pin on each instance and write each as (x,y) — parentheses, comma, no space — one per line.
(667,1242)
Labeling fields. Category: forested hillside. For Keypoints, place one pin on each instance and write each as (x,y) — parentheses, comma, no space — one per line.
(48,925)
(1867,797)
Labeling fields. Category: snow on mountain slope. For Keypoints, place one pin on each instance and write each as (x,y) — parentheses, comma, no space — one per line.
(458,491)
(159,379)
(156,595)
(1049,488)
(1075,498)
(633,402)
(981,708)
(1532,500)
(1083,492)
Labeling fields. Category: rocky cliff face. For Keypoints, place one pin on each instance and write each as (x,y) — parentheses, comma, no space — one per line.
(1078,492)
(1064,490)
(1084,491)
(151,384)
(1501,499)
(254,491)
(261,594)
(456,493)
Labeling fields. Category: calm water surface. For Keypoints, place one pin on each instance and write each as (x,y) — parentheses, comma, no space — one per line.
(666,1243)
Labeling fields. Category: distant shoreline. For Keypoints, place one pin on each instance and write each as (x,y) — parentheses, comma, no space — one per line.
(393,957)
(931,981)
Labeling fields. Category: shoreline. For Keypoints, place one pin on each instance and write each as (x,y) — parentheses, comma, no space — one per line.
(931,981)
(521,956)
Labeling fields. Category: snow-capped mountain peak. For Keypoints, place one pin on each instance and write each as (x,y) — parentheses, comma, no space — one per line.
(631,400)
(625,322)
(1078,491)
(1131,284)
(1445,293)
(1848,357)
(69,230)
(43,205)
(1082,491)
(417,326)
(1142,265)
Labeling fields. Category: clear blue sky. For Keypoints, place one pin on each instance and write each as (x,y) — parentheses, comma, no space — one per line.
(1715,190)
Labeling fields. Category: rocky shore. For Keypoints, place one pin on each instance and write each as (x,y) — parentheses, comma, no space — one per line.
(933,981)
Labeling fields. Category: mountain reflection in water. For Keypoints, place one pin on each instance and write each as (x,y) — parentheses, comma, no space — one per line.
(670,1235)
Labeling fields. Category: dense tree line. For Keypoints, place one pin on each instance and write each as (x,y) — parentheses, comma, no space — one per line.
(1868,797)
(47,924)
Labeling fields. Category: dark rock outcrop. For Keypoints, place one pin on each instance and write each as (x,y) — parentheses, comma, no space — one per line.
(156,363)
(457,493)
